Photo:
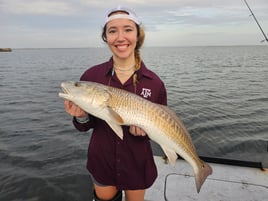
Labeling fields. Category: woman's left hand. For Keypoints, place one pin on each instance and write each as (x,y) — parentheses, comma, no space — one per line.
(136,131)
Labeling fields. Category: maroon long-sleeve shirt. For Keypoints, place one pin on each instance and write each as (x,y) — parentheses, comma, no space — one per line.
(127,164)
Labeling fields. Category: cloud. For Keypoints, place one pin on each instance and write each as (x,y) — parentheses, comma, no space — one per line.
(218,14)
(51,8)
(60,22)
(38,37)
(38,7)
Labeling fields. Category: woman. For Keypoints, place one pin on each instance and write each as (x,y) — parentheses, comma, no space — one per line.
(116,164)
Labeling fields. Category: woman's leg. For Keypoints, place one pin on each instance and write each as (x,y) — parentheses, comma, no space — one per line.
(135,195)
(107,193)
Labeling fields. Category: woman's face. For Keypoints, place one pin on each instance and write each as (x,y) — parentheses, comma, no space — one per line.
(122,38)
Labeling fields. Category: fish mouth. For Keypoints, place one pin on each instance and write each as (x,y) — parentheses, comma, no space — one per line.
(65,93)
(64,90)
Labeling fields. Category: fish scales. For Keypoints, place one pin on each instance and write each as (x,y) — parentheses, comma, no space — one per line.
(118,107)
(138,111)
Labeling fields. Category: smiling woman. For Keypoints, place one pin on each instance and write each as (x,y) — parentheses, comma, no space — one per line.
(114,164)
(122,23)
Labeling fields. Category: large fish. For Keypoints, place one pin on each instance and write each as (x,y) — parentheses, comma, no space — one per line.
(118,107)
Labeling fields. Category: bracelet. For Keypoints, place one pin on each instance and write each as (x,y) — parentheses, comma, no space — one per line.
(82,120)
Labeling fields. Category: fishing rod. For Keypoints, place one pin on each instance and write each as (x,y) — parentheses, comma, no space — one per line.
(265,37)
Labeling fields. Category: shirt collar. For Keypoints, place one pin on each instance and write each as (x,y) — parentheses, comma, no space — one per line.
(144,71)
(109,67)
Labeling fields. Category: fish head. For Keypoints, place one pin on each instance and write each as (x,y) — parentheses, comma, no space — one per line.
(89,96)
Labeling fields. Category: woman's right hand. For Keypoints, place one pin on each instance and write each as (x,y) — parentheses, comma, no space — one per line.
(73,109)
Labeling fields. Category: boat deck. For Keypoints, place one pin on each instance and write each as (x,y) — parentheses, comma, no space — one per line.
(226,183)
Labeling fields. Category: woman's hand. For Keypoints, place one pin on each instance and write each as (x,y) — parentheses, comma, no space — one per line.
(136,131)
(73,109)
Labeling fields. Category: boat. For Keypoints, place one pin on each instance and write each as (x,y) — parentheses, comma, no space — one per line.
(5,50)
(231,180)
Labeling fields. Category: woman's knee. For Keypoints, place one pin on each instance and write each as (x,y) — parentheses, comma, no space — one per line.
(107,193)
(135,195)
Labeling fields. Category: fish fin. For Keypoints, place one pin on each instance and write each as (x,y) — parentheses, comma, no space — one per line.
(115,122)
(201,175)
(171,155)
(117,129)
(118,119)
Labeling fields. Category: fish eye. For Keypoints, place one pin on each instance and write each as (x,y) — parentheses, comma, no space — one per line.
(77,84)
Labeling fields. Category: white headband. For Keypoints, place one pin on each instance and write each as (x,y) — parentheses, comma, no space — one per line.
(122,16)
(127,14)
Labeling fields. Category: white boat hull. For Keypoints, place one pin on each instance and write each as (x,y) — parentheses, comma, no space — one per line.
(226,183)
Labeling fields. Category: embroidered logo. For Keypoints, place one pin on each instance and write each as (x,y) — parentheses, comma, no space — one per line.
(146,92)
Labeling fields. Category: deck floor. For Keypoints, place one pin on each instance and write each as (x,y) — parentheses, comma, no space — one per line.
(225,184)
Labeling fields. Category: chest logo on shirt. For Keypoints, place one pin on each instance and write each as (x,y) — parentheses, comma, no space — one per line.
(146,92)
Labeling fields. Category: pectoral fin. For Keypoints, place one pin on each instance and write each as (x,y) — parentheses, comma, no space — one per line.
(115,116)
(171,155)
(117,129)
(115,123)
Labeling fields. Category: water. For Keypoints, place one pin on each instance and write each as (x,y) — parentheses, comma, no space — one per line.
(220,93)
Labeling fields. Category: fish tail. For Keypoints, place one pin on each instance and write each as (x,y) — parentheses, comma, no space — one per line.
(201,175)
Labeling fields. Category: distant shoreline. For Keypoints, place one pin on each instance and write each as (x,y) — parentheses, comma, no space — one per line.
(5,50)
(212,46)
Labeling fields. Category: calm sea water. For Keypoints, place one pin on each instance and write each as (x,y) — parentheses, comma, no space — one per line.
(220,93)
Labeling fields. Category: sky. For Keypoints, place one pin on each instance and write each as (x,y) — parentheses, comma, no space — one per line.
(78,23)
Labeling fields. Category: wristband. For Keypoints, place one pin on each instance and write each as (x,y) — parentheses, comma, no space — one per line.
(82,120)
